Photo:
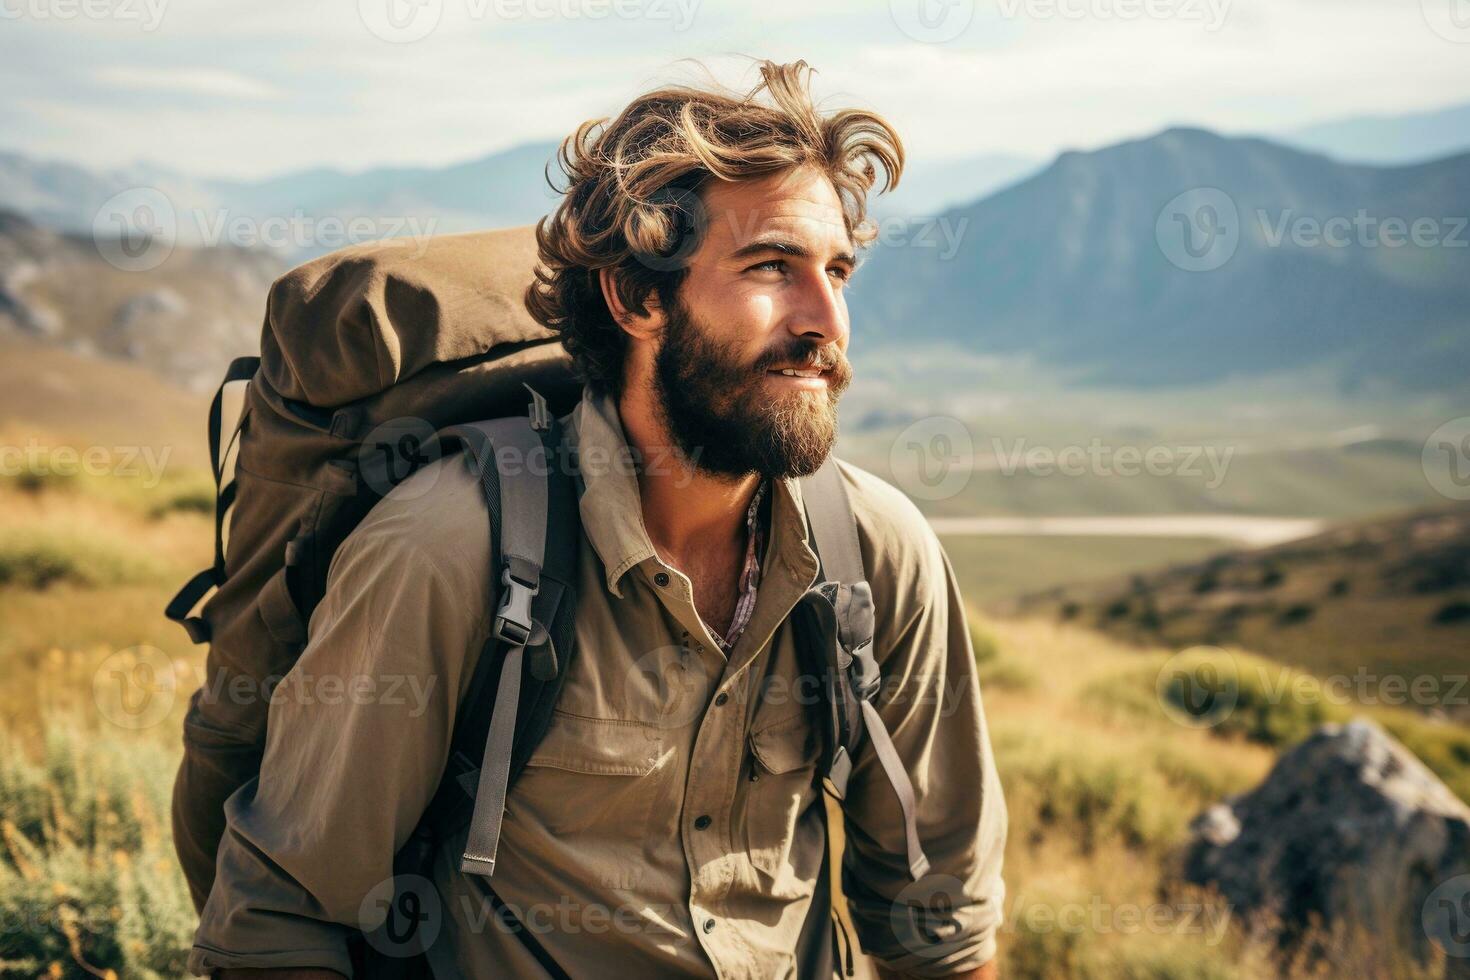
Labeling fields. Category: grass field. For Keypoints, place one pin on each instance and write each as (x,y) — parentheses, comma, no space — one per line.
(1100,782)
(999,567)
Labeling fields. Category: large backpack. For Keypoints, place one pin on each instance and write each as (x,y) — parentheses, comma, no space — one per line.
(375,360)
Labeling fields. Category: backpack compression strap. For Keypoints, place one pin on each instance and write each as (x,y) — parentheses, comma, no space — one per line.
(834,529)
(523,512)
(179,607)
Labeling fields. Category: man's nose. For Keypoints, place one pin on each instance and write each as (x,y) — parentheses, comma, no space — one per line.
(822,314)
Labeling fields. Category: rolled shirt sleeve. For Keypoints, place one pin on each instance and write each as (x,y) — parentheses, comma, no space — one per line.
(358,736)
(946,922)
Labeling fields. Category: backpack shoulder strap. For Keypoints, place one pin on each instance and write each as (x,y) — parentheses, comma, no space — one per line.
(843,582)
(535,529)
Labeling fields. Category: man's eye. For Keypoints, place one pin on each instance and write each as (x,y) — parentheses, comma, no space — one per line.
(771,265)
(841,273)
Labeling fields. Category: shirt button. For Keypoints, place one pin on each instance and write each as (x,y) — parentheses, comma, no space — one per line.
(709,925)
(661,579)
(721,698)
(702,822)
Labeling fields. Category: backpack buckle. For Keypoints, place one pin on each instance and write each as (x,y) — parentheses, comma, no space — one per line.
(513,619)
(539,413)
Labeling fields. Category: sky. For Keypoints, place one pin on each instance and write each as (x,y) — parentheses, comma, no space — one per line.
(252,88)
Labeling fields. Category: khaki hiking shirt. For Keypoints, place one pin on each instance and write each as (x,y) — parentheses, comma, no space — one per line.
(669,825)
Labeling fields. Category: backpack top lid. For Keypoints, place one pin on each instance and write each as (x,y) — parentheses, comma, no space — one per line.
(358,321)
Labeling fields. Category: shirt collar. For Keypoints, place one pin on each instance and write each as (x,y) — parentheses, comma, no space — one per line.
(612,512)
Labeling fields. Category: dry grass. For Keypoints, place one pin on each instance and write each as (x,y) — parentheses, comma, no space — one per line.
(1100,782)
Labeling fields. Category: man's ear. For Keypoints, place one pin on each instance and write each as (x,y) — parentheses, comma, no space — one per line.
(643,326)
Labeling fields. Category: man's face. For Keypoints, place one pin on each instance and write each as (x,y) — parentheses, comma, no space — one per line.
(764,293)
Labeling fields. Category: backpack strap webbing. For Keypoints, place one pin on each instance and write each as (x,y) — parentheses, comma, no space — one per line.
(179,607)
(535,530)
(514,462)
(835,533)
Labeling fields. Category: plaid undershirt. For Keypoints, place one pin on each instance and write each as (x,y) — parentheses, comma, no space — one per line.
(750,576)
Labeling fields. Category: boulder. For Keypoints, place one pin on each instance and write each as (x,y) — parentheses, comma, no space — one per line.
(1349,832)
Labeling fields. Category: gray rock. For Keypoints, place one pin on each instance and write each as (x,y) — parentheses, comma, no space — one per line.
(1351,831)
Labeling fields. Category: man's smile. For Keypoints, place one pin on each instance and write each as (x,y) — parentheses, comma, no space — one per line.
(800,377)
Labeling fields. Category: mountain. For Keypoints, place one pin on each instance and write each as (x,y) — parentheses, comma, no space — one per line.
(1388,598)
(182,318)
(300,214)
(1398,139)
(500,189)
(1087,267)
(929,188)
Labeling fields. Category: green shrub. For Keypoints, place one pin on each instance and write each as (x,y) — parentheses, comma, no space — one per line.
(1095,795)
(88,878)
(35,558)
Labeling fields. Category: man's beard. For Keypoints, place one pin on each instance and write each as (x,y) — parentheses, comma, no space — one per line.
(722,414)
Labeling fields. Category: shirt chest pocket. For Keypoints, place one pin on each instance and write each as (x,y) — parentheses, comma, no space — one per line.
(589,788)
(781,790)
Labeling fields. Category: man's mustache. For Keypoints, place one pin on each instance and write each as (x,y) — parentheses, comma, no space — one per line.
(812,358)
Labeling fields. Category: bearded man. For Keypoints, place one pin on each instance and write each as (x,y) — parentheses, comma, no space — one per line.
(696,271)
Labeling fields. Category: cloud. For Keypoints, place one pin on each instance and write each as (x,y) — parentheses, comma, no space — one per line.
(209,82)
(289,85)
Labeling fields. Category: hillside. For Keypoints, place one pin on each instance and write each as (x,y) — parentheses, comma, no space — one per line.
(1084,268)
(1387,598)
(183,319)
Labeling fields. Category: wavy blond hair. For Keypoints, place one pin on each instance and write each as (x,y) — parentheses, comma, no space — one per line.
(632,184)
